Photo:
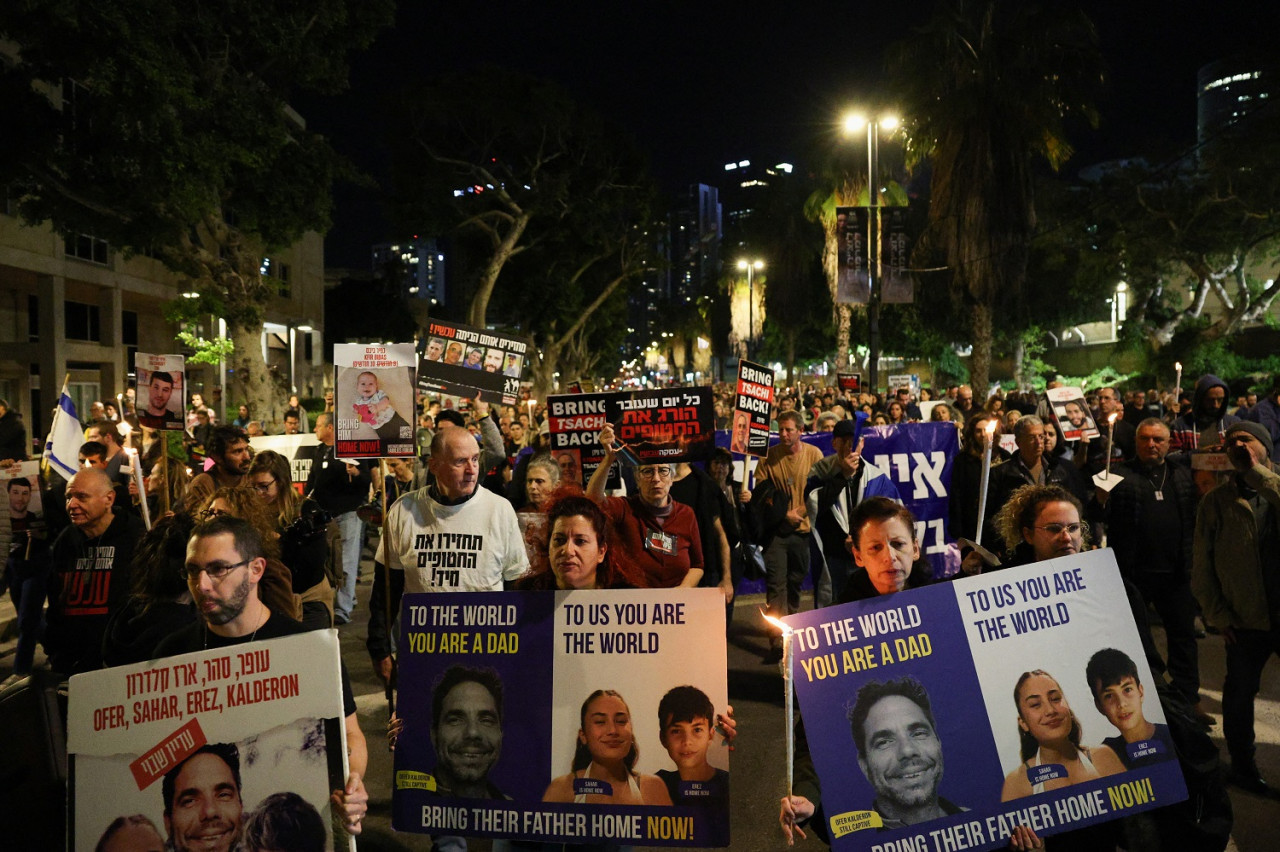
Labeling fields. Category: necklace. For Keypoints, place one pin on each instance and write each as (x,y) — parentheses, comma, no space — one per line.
(205,626)
(1163,477)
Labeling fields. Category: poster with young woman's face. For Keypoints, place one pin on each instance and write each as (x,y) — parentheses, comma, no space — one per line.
(374,400)
(555,716)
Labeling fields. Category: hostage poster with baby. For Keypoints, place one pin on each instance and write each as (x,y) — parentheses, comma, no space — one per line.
(944,717)
(211,750)
(565,717)
(374,400)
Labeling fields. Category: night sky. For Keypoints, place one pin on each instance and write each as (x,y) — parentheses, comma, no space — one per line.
(703,82)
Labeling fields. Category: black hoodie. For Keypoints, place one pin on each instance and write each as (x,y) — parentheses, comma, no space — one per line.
(90,580)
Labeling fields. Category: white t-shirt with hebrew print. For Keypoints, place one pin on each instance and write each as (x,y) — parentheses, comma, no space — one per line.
(471,547)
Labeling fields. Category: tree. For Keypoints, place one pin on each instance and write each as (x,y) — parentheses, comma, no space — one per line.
(987,86)
(1198,242)
(549,206)
(165,128)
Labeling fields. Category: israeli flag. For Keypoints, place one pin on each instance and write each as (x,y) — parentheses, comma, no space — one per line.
(62,447)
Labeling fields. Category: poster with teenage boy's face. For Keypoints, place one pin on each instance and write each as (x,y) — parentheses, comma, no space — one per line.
(374,400)
(585,716)
(962,710)
(160,391)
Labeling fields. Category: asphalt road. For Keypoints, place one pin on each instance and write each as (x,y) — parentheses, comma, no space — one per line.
(758,764)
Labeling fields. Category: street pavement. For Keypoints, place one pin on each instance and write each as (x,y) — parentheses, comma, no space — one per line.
(758,763)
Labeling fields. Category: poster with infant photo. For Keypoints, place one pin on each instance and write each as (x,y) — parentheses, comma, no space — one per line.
(214,750)
(374,400)
(946,716)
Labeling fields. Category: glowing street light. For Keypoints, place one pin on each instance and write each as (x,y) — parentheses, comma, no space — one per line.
(855,122)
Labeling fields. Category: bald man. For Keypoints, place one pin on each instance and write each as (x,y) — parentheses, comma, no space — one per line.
(451,536)
(90,572)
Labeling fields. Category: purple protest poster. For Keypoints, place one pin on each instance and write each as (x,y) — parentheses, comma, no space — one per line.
(564,717)
(944,717)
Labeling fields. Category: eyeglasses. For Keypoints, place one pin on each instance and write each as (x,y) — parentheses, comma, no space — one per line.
(264,487)
(1058,529)
(216,570)
(210,514)
(653,472)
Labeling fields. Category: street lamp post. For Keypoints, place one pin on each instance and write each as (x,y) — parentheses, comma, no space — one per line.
(751,266)
(852,124)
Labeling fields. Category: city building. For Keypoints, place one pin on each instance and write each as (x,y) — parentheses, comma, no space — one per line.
(417,267)
(1228,89)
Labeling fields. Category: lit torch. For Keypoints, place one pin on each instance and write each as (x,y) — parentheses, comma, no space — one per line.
(990,430)
(788,691)
(1111,433)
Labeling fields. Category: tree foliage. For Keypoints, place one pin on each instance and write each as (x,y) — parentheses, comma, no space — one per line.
(549,209)
(165,128)
(986,88)
(1198,241)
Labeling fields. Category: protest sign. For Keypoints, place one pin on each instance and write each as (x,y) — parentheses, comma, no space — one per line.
(918,458)
(905,380)
(538,668)
(466,361)
(374,400)
(28,534)
(933,672)
(298,449)
(849,382)
(752,409)
(667,426)
(1071,413)
(160,390)
(273,706)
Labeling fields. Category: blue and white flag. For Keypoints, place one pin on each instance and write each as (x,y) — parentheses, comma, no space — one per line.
(62,447)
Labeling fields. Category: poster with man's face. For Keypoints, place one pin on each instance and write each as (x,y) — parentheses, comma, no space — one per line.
(208,750)
(554,717)
(161,389)
(463,361)
(1071,413)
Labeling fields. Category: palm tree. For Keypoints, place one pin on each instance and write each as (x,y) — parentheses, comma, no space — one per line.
(987,86)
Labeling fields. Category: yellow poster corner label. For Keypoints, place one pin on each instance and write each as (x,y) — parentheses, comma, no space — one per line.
(851,821)
(409,780)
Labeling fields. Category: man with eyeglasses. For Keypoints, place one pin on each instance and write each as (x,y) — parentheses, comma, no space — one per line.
(91,568)
(1151,518)
(657,533)
(1235,577)
(1029,466)
(224,566)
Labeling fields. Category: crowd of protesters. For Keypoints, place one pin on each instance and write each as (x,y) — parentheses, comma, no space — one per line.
(489,471)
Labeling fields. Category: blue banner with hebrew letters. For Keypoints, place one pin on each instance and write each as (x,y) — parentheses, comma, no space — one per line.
(918,458)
